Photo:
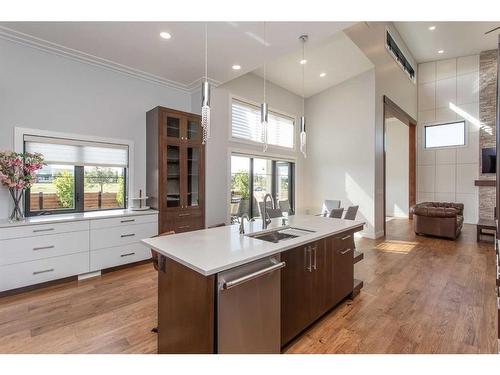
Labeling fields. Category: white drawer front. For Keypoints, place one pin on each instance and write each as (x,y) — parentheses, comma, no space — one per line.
(41,247)
(39,271)
(123,221)
(118,236)
(116,256)
(43,229)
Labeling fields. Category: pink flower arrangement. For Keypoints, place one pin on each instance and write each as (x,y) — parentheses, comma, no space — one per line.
(18,170)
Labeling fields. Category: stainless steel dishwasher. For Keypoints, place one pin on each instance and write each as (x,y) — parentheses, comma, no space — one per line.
(249,308)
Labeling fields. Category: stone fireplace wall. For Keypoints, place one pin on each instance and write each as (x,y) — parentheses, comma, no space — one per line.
(487,131)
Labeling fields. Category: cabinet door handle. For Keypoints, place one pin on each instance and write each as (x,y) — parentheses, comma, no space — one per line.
(42,230)
(186,214)
(44,271)
(307,258)
(184,226)
(346,237)
(127,221)
(43,247)
(344,252)
(127,235)
(127,255)
(315,260)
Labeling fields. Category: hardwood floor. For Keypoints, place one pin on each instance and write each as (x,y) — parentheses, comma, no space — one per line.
(421,295)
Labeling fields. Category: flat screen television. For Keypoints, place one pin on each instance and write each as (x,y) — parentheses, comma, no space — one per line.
(489,160)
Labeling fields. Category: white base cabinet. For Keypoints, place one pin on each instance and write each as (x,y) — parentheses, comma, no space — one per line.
(36,253)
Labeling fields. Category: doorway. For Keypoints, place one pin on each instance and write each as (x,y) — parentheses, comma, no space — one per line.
(399,162)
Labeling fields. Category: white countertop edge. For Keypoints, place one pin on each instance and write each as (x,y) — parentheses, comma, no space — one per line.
(71,217)
(286,246)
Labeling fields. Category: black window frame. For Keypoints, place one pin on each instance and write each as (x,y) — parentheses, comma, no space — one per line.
(444,124)
(79,197)
(274,177)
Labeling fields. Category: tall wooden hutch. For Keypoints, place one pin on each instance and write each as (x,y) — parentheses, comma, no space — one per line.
(175,175)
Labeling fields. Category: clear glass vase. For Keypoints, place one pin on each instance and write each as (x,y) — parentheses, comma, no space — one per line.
(17,211)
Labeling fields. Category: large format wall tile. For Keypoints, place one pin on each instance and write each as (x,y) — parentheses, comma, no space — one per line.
(470,202)
(445,179)
(425,176)
(468,88)
(466,174)
(470,153)
(427,72)
(446,92)
(446,69)
(446,156)
(426,96)
(467,64)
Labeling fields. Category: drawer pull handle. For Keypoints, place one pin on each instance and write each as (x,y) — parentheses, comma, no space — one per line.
(184,214)
(127,255)
(127,221)
(127,235)
(346,237)
(43,247)
(344,252)
(184,226)
(42,230)
(44,271)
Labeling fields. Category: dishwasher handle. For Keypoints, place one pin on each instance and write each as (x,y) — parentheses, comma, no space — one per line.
(253,275)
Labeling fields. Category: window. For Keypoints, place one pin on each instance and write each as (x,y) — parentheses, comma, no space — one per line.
(399,56)
(444,135)
(79,176)
(259,176)
(246,125)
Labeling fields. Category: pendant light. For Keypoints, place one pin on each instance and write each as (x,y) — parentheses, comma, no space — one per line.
(303,38)
(264,110)
(205,96)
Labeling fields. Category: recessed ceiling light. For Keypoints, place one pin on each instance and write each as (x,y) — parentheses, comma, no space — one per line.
(236,67)
(432,28)
(165,35)
(440,51)
(303,61)
(322,75)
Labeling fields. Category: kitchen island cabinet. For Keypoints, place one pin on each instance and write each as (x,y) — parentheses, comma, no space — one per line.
(218,289)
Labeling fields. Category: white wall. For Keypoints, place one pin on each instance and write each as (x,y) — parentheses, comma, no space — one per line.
(390,81)
(341,143)
(46,91)
(249,87)
(397,168)
(448,174)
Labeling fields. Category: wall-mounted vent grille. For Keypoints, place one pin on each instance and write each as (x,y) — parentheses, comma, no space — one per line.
(399,56)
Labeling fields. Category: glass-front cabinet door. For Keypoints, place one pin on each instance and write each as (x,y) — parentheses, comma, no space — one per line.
(193,130)
(173,181)
(172,126)
(193,173)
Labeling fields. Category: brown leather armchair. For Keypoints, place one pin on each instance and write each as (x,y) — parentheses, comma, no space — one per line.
(438,219)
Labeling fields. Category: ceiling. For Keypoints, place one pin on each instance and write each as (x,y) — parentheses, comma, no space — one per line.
(337,56)
(454,38)
(136,47)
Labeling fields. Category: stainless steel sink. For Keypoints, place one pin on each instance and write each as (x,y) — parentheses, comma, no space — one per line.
(280,234)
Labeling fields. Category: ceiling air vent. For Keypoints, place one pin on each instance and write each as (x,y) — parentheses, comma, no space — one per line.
(399,56)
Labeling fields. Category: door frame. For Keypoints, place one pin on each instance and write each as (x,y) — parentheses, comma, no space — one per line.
(392,109)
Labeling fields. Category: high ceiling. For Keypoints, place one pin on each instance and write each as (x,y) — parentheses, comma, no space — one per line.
(454,38)
(337,56)
(137,48)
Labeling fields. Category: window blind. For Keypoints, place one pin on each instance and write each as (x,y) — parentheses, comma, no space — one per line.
(246,125)
(75,152)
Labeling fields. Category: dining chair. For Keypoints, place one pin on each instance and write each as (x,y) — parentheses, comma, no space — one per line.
(351,213)
(285,206)
(336,213)
(328,205)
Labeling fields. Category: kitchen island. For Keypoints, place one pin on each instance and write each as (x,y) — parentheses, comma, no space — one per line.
(220,291)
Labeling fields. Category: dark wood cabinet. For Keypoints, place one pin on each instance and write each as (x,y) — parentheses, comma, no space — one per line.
(343,266)
(175,169)
(317,276)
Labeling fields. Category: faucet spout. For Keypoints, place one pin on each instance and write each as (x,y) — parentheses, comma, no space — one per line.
(266,220)
(242,222)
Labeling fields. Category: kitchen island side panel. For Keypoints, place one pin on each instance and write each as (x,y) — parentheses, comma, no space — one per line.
(185,310)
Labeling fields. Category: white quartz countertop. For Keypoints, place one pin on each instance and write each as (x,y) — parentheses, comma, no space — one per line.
(210,251)
(62,218)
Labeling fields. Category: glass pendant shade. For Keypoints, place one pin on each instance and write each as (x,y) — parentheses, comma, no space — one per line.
(205,111)
(303,136)
(263,120)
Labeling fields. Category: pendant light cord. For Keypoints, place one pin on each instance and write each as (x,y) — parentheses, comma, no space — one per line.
(206,51)
(265,60)
(303,69)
